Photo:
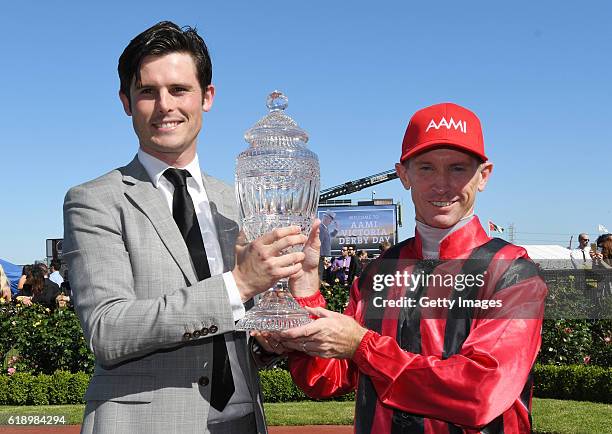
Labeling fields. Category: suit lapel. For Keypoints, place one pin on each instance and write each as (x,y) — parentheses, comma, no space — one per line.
(143,194)
(227,229)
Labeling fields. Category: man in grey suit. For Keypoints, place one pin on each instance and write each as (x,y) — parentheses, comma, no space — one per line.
(325,234)
(158,270)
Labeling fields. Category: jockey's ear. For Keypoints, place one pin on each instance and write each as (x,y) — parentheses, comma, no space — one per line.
(485,172)
(402,172)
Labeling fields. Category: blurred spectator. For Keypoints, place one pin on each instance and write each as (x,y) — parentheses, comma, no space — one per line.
(604,245)
(581,256)
(23,286)
(383,246)
(603,260)
(44,268)
(328,275)
(340,266)
(44,291)
(5,286)
(55,275)
(325,234)
(354,264)
(362,257)
(65,286)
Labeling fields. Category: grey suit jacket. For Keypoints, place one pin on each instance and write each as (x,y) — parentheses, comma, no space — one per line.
(144,314)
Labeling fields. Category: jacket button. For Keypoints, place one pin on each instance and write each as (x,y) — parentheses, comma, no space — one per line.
(186,336)
(204,331)
(196,334)
(203,381)
(213,329)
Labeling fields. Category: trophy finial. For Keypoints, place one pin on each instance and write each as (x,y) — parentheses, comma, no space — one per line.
(277,101)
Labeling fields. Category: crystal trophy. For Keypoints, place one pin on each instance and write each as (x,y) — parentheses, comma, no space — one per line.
(277,185)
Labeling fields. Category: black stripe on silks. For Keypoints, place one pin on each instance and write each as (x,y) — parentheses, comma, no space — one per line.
(526,393)
(406,423)
(366,397)
(409,319)
(525,396)
(520,269)
(365,405)
(494,427)
(459,319)
(409,339)
(454,429)
(382,266)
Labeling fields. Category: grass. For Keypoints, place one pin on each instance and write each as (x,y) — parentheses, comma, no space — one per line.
(310,413)
(557,416)
(550,416)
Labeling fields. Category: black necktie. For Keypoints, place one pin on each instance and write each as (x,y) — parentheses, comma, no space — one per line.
(185,217)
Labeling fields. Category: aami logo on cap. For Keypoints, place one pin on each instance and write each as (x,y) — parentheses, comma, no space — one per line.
(459,125)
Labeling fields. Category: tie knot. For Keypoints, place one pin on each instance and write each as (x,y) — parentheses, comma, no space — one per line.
(177,177)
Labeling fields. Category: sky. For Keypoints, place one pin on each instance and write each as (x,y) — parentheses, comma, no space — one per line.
(536,73)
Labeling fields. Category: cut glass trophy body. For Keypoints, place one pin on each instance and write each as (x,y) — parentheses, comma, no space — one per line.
(277,185)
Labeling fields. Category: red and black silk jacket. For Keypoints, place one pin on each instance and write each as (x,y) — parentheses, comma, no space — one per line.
(445,371)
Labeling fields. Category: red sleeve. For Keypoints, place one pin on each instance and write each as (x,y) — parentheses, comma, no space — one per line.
(318,377)
(470,388)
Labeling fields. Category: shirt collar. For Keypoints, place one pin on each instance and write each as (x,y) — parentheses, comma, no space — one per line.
(458,243)
(431,237)
(155,168)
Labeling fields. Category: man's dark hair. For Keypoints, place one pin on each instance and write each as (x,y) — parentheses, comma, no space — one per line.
(56,264)
(164,38)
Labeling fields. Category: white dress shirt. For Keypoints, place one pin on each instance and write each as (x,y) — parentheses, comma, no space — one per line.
(57,278)
(432,237)
(195,186)
(581,258)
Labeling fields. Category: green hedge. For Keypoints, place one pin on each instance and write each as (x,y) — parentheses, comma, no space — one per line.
(42,341)
(59,388)
(277,386)
(579,383)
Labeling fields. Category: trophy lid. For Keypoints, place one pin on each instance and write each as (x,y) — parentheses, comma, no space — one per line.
(276,126)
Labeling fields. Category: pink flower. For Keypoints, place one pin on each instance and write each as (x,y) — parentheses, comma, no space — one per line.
(567,330)
(11,371)
(607,339)
(586,359)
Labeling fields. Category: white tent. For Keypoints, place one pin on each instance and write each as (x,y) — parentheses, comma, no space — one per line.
(549,256)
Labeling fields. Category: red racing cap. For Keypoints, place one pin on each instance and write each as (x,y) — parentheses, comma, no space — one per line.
(443,125)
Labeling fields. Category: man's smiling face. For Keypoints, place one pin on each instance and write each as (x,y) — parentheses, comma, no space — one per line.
(443,184)
(167,105)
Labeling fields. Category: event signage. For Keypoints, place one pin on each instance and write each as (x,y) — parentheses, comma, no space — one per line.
(365,226)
